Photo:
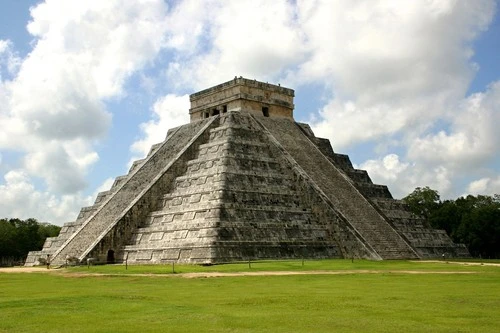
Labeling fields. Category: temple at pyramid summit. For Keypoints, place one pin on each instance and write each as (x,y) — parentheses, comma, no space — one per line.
(244,181)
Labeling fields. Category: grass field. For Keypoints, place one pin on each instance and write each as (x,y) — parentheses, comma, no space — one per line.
(366,296)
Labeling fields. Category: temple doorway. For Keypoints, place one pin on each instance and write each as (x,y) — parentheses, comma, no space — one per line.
(110,259)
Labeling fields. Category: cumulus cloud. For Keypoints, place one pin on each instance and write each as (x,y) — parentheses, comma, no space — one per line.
(473,136)
(487,185)
(393,67)
(256,39)
(9,60)
(54,107)
(402,177)
(19,198)
(84,52)
(168,112)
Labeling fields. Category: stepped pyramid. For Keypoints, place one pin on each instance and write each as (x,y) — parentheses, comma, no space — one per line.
(244,181)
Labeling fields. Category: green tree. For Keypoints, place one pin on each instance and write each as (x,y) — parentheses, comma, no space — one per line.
(27,237)
(423,201)
(7,238)
(18,237)
(471,220)
(447,215)
(480,225)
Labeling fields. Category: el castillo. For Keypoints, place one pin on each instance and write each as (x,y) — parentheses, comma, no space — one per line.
(244,181)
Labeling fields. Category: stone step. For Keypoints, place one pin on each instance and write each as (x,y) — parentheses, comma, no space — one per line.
(154,148)
(102,196)
(135,165)
(374,191)
(118,182)
(359,176)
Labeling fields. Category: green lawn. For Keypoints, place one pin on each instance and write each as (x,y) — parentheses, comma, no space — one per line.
(387,301)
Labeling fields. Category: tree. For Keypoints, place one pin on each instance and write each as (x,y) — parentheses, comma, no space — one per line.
(18,237)
(423,201)
(480,226)
(7,238)
(471,220)
(447,216)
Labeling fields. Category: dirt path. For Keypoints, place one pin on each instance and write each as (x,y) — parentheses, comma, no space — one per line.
(223,274)
(282,273)
(465,263)
(24,270)
(258,273)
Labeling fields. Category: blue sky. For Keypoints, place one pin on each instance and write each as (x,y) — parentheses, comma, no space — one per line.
(409,90)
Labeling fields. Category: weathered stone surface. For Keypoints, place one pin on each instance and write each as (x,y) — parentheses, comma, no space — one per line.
(244,184)
(242,94)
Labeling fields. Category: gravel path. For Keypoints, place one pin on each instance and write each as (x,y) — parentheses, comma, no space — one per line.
(224,274)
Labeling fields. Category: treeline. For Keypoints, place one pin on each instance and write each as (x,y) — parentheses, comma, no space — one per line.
(472,220)
(18,237)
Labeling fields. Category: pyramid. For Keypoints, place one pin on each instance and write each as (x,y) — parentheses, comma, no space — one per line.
(244,181)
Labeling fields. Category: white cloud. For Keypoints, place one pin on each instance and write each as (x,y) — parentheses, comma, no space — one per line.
(256,39)
(9,60)
(168,112)
(52,108)
(19,198)
(105,186)
(403,177)
(484,186)
(388,168)
(393,66)
(441,159)
(473,137)
(84,52)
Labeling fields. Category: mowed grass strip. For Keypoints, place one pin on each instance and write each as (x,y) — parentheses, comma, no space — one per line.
(384,302)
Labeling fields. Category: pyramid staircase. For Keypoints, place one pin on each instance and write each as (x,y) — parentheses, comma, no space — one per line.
(340,190)
(427,241)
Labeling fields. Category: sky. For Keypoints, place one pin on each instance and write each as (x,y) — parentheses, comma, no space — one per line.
(410,90)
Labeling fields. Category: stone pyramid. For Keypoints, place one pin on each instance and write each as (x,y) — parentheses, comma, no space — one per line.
(244,181)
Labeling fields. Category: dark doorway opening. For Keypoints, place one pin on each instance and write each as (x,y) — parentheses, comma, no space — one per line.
(215,112)
(110,259)
(224,109)
(265,111)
